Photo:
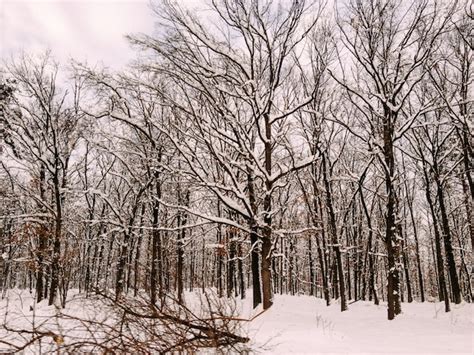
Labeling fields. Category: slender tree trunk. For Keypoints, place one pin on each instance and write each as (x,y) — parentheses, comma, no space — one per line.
(125,246)
(418,258)
(136,269)
(121,263)
(55,272)
(231,264)
(220,256)
(42,243)
(406,267)
(468,201)
(282,277)
(443,293)
(98,263)
(334,237)
(254,243)
(182,220)
(312,280)
(465,268)
(453,276)
(240,267)
(156,280)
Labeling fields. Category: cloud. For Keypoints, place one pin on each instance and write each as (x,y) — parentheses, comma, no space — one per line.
(92,30)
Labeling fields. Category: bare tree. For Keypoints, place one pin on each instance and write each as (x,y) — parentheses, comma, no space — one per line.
(391,44)
(43,133)
(237,94)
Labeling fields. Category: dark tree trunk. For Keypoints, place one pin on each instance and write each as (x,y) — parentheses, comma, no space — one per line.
(406,267)
(266,249)
(240,267)
(136,269)
(156,280)
(443,294)
(42,244)
(266,270)
(231,264)
(55,272)
(391,240)
(453,276)
(334,237)
(254,243)
(182,220)
(312,280)
(220,262)
(125,246)
(121,263)
(417,246)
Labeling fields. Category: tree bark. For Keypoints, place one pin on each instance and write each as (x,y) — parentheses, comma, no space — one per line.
(156,280)
(453,275)
(443,293)
(391,240)
(334,236)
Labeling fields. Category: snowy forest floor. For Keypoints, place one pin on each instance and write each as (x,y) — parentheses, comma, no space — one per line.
(300,325)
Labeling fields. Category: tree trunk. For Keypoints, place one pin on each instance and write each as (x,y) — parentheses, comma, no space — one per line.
(418,258)
(156,281)
(121,263)
(241,271)
(181,220)
(57,240)
(334,236)
(266,271)
(312,280)
(453,276)
(443,294)
(231,264)
(391,240)
(136,269)
(255,264)
(42,243)
(406,267)
(220,257)
(254,242)
(266,251)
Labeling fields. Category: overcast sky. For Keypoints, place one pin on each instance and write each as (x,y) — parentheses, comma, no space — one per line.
(84,29)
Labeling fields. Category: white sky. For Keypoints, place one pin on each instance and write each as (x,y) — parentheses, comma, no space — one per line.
(84,29)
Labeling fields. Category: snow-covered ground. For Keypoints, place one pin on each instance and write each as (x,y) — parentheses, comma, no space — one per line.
(304,325)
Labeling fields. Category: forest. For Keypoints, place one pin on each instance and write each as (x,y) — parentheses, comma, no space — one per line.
(252,149)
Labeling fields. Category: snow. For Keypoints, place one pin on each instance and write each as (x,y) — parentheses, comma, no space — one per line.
(305,325)
(19,311)
(301,325)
